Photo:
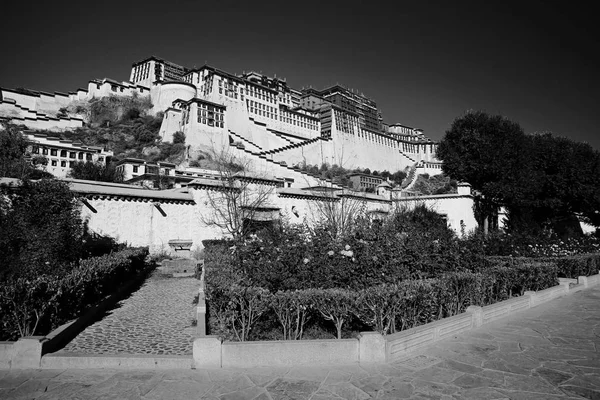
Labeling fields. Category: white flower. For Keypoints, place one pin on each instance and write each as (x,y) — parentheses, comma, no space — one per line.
(306,261)
(347,247)
(330,252)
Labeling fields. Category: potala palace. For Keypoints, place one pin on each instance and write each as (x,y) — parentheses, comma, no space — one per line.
(255,117)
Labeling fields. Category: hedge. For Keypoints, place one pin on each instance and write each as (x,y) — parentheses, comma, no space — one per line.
(35,306)
(567,267)
(235,308)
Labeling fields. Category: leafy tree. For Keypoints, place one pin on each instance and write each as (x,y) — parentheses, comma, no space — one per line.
(40,227)
(542,180)
(179,137)
(491,153)
(12,151)
(96,171)
(13,161)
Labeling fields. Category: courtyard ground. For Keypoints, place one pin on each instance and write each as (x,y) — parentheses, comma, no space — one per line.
(548,352)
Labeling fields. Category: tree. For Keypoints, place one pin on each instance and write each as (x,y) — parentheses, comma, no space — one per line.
(14,162)
(96,171)
(234,201)
(544,181)
(490,152)
(179,137)
(566,183)
(40,226)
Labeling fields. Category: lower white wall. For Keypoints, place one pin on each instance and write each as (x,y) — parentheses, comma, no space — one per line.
(141,223)
(289,352)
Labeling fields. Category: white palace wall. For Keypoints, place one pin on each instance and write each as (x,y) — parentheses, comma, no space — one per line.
(153,223)
(142,224)
(455,207)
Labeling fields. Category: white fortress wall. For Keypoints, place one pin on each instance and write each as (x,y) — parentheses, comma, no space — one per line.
(142,224)
(8,109)
(163,96)
(431,168)
(171,123)
(23,100)
(51,103)
(359,148)
(456,207)
(314,153)
(263,167)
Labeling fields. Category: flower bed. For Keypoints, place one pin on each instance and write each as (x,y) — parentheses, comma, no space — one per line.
(34,306)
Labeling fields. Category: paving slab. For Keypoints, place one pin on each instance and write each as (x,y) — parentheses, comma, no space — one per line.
(550,352)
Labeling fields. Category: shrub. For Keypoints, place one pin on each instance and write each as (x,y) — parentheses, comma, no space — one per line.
(377,307)
(237,308)
(179,137)
(41,229)
(335,305)
(577,265)
(36,305)
(293,312)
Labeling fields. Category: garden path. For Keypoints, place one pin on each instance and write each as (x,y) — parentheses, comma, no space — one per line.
(548,352)
(156,319)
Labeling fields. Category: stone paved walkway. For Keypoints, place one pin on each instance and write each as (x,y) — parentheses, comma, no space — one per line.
(156,319)
(549,352)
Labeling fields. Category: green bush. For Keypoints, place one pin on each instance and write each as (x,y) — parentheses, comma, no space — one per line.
(578,265)
(36,305)
(335,305)
(40,229)
(293,311)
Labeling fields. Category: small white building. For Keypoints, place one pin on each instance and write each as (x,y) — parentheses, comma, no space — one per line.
(61,154)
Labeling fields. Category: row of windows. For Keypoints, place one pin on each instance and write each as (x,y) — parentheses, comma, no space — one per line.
(63,163)
(211,122)
(369,179)
(141,72)
(63,153)
(261,94)
(290,121)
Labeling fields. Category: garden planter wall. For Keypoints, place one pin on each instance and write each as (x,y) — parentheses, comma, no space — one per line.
(210,352)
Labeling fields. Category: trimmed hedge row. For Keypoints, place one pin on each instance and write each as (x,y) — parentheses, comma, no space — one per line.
(567,266)
(234,309)
(35,306)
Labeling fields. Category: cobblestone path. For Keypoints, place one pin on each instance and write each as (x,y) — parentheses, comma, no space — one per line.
(156,319)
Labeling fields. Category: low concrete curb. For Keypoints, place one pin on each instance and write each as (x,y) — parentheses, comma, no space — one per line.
(126,361)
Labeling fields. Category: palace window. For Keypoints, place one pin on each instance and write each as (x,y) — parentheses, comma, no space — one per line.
(63,164)
(53,152)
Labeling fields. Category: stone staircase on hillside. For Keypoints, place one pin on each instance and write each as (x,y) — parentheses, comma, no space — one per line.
(245,141)
(291,146)
(311,179)
(288,137)
(410,179)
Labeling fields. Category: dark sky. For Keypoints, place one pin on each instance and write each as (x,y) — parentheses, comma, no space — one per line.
(424,63)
